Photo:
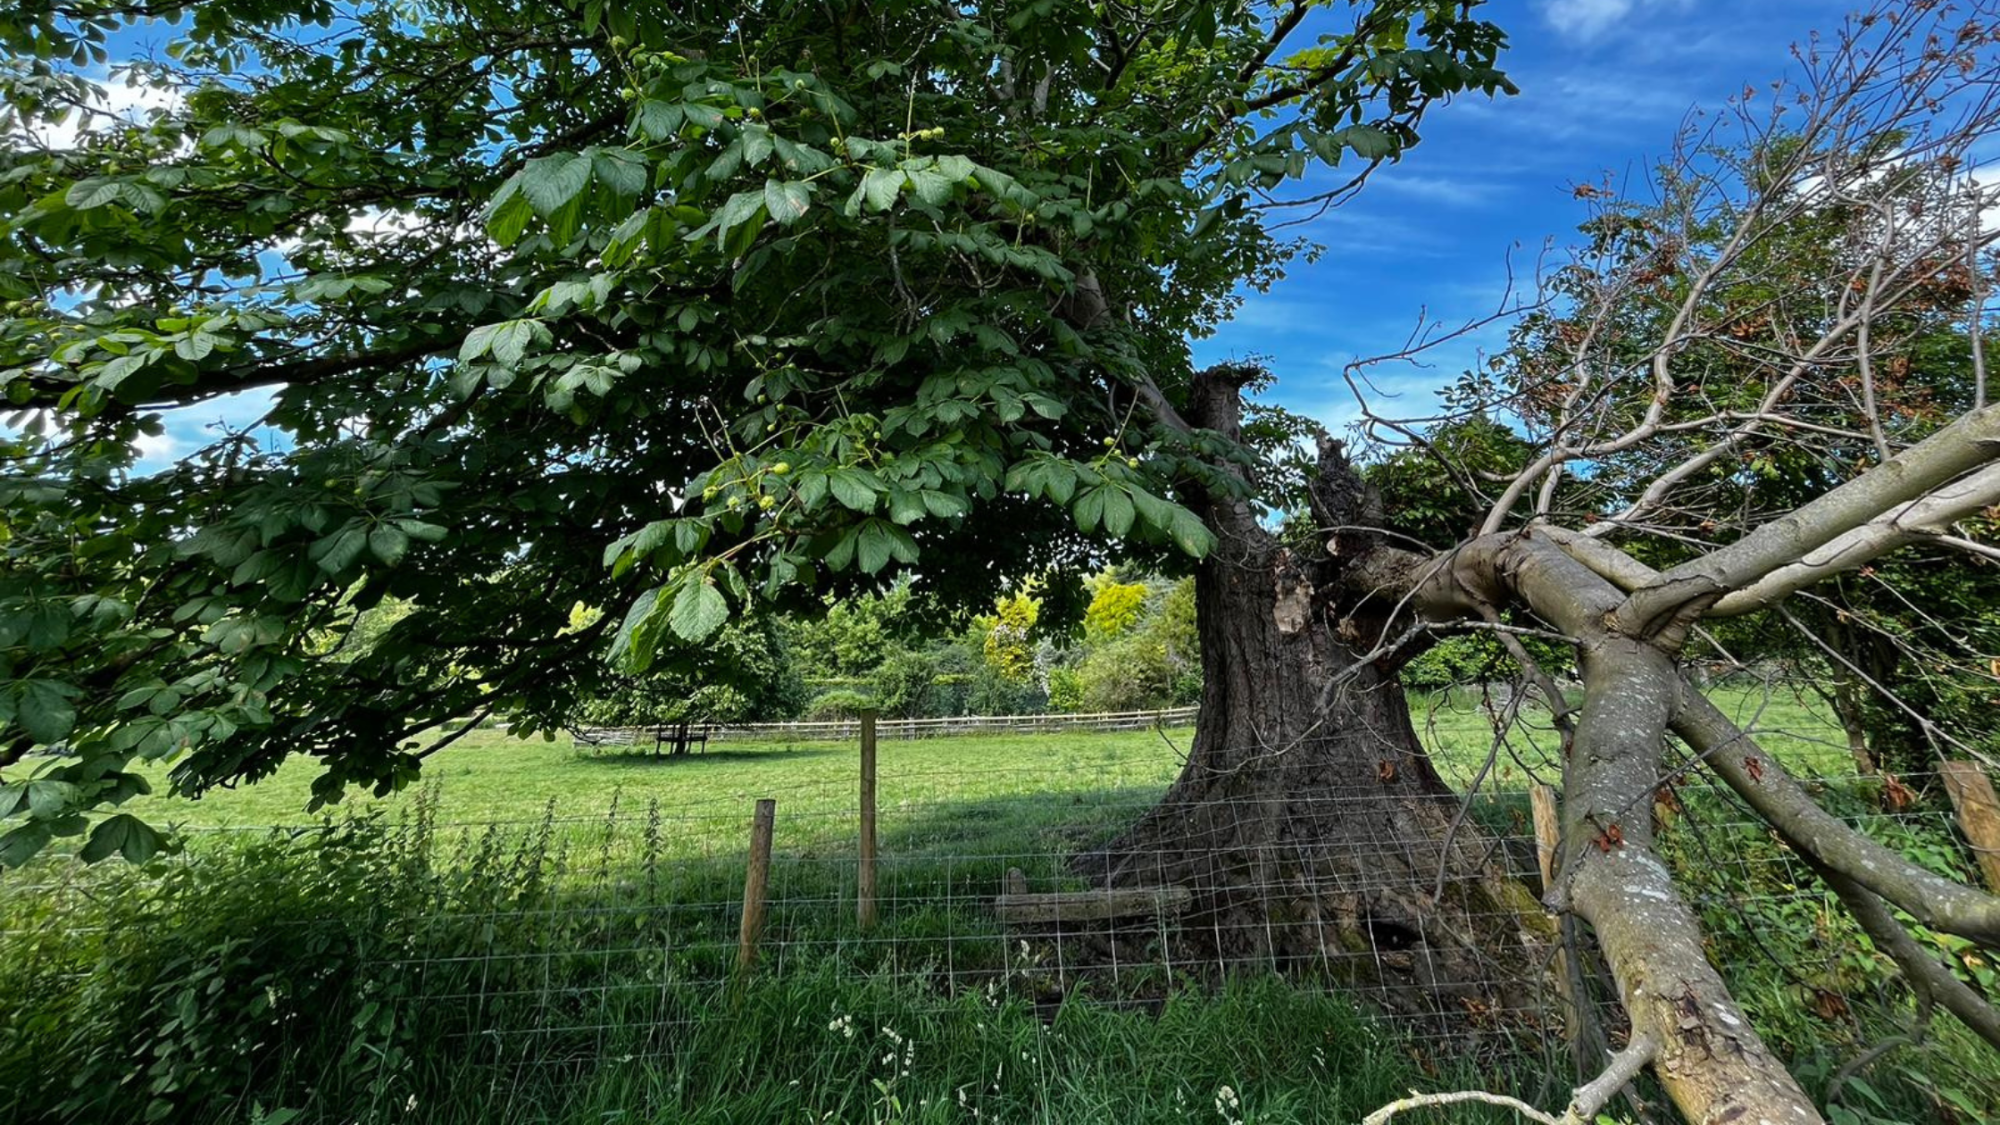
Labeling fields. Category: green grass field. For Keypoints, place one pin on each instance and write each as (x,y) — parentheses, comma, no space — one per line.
(540,935)
(488,776)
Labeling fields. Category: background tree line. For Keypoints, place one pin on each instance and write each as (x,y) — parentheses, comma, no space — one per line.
(889,651)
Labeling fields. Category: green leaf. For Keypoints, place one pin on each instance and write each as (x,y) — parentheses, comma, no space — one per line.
(508,215)
(1190,534)
(944,505)
(699,610)
(510,341)
(550,182)
(1089,510)
(122,834)
(43,709)
(659,120)
(49,799)
(757,145)
(842,552)
(478,342)
(222,136)
(853,488)
(21,845)
(881,187)
(632,648)
(339,551)
(786,202)
(619,170)
(932,186)
(388,543)
(86,195)
(879,541)
(906,507)
(873,547)
(739,209)
(1369,142)
(1117,510)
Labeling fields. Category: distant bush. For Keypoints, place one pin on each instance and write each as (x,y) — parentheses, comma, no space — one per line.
(841,703)
(1065,690)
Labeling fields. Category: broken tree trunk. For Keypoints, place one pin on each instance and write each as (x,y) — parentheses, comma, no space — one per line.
(1308,824)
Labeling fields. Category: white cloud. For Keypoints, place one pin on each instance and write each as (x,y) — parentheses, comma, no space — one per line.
(157,451)
(1445,191)
(1586,20)
(114,98)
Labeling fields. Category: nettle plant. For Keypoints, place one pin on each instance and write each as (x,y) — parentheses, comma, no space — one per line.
(672,310)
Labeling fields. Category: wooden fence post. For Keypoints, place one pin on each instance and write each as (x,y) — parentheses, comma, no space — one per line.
(1548,837)
(1978,814)
(756,882)
(1548,832)
(864,875)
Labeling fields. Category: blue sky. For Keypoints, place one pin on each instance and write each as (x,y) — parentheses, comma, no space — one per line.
(1605,86)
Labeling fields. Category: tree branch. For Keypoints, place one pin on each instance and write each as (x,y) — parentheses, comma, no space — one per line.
(1966,444)
(1927,517)
(1760,780)
(1925,973)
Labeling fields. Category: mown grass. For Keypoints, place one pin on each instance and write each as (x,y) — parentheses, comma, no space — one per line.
(490,776)
(539,935)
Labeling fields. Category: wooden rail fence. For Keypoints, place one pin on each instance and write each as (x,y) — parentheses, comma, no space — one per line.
(849,730)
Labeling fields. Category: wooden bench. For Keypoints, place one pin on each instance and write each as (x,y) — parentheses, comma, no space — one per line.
(674,738)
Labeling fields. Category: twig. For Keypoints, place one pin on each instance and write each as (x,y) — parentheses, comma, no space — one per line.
(1624,1066)
(1419,1101)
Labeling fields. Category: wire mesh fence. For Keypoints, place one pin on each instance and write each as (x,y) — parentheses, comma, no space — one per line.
(557,936)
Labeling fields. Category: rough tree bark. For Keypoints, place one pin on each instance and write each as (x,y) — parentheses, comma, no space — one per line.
(1308,819)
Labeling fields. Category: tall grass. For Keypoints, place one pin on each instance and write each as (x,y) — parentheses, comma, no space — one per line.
(375,972)
(554,942)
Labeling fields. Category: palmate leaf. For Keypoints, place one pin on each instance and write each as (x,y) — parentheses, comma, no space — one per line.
(550,182)
(44,708)
(786,202)
(699,610)
(124,835)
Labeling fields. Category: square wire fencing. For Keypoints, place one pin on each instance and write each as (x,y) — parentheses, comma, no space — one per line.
(556,940)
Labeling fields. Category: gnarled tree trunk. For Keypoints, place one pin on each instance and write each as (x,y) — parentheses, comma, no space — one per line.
(1308,820)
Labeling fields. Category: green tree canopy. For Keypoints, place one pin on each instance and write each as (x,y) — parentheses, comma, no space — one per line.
(661,306)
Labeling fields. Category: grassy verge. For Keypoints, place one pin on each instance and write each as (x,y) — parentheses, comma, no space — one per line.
(552,939)
(372,973)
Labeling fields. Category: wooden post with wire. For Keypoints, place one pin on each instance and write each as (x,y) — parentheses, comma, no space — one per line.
(864,875)
(1978,814)
(756,882)
(1548,837)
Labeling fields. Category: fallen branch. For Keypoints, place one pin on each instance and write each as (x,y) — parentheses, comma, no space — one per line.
(1419,1101)
(1584,1104)
(1597,1093)
(1764,783)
